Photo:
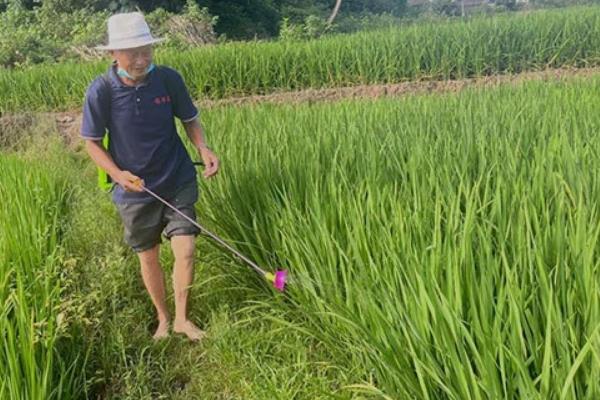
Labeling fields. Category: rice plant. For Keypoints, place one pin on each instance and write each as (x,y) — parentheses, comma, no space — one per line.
(35,360)
(427,50)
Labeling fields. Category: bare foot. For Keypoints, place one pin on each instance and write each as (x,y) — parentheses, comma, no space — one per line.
(162,331)
(188,328)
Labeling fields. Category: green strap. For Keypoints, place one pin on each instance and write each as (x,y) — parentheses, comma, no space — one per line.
(104,181)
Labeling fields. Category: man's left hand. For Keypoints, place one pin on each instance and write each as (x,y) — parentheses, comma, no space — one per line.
(211,162)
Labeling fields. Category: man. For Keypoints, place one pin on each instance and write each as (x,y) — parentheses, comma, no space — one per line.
(136,103)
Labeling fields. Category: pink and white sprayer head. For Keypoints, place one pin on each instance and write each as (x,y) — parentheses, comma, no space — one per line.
(279,279)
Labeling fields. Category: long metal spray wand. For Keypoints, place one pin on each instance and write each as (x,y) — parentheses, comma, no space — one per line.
(279,278)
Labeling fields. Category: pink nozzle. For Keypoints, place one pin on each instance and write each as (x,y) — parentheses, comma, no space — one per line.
(280,280)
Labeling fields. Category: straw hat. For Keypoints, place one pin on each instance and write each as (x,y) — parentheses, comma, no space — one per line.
(127,31)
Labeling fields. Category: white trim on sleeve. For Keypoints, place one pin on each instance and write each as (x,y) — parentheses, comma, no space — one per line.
(96,139)
(191,119)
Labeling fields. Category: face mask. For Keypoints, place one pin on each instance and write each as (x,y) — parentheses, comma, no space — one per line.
(124,74)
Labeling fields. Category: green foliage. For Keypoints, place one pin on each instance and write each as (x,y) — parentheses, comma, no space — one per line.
(44,35)
(358,7)
(290,31)
(298,10)
(313,27)
(67,6)
(48,33)
(446,7)
(244,19)
(562,3)
(366,22)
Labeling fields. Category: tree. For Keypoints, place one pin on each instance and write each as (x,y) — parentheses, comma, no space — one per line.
(336,8)
(245,19)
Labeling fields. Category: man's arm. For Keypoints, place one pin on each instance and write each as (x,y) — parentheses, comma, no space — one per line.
(103,160)
(194,131)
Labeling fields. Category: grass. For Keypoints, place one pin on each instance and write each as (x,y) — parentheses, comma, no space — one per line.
(430,50)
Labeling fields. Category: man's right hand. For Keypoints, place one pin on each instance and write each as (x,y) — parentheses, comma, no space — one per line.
(129,181)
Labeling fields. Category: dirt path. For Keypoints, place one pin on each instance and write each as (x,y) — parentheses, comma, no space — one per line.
(68,122)
(400,89)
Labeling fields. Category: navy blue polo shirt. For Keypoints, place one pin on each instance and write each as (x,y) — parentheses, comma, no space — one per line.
(141,125)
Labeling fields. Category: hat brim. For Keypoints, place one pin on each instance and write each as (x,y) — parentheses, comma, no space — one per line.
(130,44)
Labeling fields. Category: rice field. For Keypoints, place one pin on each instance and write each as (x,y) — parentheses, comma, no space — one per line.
(440,246)
(448,244)
(436,49)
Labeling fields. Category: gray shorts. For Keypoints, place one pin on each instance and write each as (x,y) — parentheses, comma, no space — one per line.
(145,222)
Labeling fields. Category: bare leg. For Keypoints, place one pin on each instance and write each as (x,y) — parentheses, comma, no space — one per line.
(154,281)
(183,276)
